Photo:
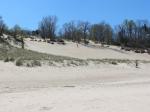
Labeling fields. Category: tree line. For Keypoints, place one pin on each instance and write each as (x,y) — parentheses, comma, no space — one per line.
(129,33)
(133,33)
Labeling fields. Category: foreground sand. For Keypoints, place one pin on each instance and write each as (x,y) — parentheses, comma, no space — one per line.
(104,88)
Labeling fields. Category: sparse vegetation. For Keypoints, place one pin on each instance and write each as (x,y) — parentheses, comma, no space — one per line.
(7,59)
(36,63)
(19,62)
(33,63)
(23,57)
(11,59)
(136,64)
(114,63)
(30,58)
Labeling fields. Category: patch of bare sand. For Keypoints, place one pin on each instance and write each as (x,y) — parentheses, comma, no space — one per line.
(105,88)
(83,52)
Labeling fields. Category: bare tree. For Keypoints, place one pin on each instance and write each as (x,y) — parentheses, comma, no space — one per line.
(101,32)
(69,31)
(83,27)
(19,35)
(76,31)
(108,33)
(133,34)
(16,31)
(47,27)
(2,26)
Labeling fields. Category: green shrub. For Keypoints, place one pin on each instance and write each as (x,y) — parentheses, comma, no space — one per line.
(11,59)
(36,63)
(19,62)
(29,65)
(6,59)
(114,63)
(51,63)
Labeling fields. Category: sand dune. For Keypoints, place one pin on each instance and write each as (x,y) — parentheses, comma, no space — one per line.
(83,52)
(93,88)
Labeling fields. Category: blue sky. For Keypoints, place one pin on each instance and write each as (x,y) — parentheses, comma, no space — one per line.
(28,13)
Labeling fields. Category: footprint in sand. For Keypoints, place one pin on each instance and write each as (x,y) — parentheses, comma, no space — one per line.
(46,108)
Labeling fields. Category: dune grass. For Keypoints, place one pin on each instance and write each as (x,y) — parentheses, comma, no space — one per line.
(23,57)
(28,57)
